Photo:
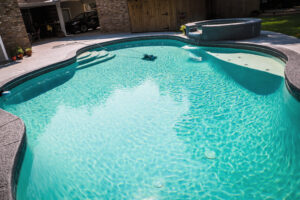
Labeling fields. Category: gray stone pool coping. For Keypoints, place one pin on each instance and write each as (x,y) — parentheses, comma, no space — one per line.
(59,53)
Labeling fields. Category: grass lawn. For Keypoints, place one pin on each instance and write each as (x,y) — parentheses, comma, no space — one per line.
(288,24)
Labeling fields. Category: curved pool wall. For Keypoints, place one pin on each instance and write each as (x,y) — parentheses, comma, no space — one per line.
(13,146)
(224,29)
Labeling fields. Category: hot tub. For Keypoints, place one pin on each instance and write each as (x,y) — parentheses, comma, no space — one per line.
(224,29)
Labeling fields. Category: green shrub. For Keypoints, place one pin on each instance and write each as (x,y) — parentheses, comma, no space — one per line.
(20,51)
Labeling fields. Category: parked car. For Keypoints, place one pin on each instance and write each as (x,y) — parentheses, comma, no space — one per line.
(83,22)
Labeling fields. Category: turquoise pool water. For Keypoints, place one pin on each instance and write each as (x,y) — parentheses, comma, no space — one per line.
(185,126)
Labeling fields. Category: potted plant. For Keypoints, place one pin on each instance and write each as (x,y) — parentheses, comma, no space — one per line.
(183,29)
(28,52)
(13,55)
(20,53)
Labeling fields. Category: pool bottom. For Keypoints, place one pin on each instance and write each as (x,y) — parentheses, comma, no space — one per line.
(172,129)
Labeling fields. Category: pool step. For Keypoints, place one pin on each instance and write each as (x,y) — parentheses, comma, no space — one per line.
(84,55)
(90,56)
(102,54)
(98,60)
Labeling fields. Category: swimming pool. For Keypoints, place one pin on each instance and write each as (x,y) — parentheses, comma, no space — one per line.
(196,123)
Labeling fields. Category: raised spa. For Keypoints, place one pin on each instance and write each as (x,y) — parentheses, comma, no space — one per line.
(224,29)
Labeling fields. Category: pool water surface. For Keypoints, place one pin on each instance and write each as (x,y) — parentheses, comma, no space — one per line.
(193,124)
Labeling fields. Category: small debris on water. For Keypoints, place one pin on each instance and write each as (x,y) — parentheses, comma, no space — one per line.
(158,184)
(210,154)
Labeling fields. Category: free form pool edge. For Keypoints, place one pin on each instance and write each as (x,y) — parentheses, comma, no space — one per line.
(12,128)
(12,148)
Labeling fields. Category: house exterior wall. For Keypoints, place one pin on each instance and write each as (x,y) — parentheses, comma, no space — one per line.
(113,15)
(76,7)
(12,28)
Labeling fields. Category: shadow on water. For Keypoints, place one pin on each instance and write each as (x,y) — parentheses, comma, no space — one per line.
(40,85)
(25,172)
(259,82)
(292,111)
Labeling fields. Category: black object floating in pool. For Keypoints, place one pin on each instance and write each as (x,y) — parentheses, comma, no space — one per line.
(149,57)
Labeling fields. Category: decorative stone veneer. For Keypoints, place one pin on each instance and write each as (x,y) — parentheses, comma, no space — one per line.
(12,28)
(113,15)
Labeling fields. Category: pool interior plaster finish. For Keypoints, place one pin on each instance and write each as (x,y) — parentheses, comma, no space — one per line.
(64,51)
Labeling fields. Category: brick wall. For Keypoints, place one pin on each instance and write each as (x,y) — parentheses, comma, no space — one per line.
(12,28)
(113,15)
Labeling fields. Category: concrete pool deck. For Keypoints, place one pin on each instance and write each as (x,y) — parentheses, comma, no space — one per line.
(12,129)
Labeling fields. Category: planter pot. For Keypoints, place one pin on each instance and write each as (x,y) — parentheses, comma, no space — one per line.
(14,58)
(28,53)
(20,56)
